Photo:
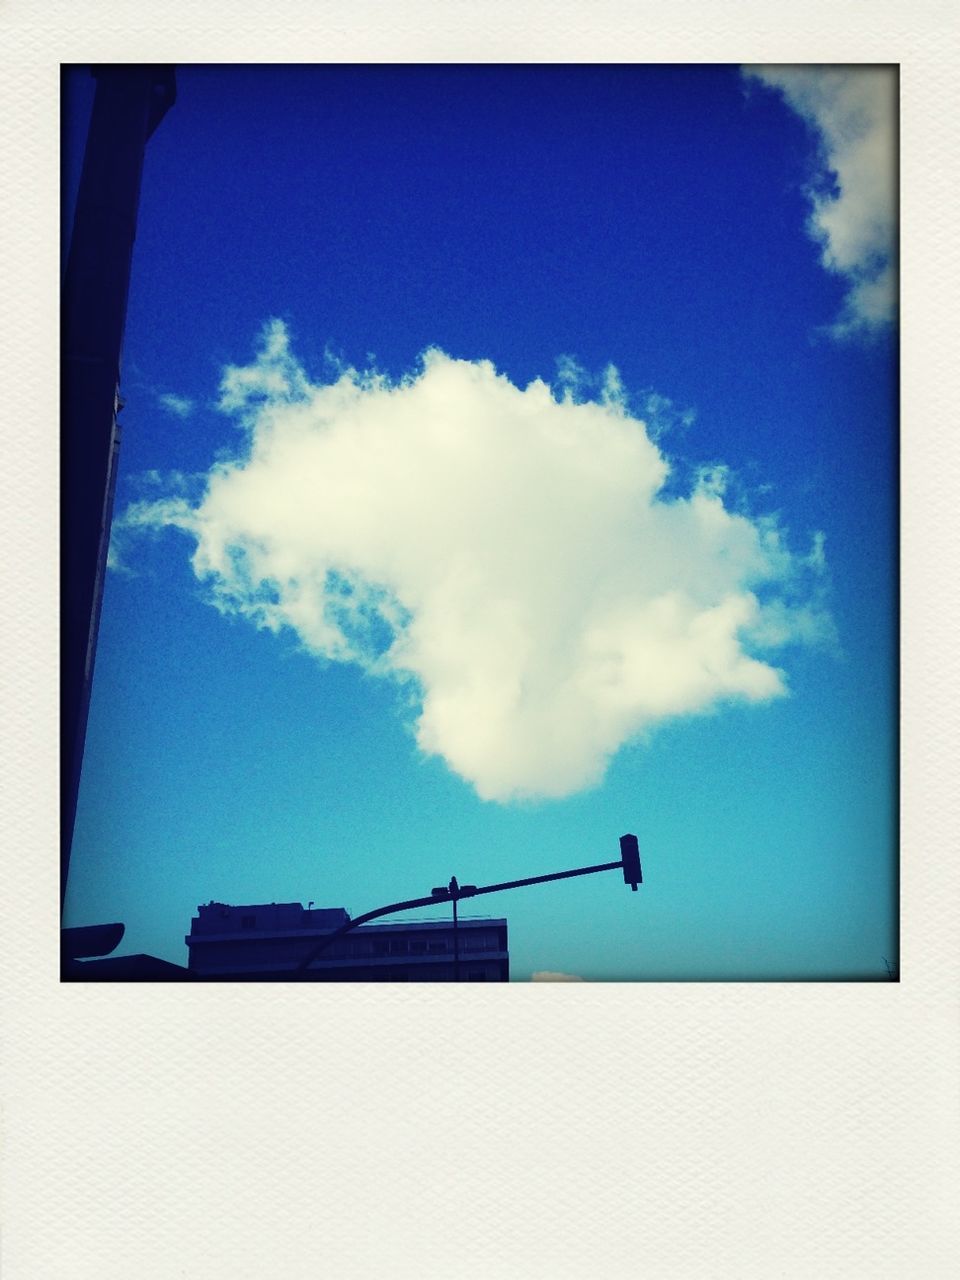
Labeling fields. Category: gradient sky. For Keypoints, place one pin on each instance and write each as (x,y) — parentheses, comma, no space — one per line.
(620,555)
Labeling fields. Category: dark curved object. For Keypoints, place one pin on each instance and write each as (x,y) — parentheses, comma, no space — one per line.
(90,940)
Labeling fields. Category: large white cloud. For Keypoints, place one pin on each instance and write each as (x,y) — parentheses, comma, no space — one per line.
(509,554)
(854,194)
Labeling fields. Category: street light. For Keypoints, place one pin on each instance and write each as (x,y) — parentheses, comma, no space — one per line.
(629,862)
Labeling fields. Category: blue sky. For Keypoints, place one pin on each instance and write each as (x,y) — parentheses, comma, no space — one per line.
(376,619)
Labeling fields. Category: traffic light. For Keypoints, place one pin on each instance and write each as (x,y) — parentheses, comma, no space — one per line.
(630,852)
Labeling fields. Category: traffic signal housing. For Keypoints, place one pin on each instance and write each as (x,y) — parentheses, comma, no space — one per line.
(630,853)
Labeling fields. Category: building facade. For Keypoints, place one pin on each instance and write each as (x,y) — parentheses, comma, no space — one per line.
(267,942)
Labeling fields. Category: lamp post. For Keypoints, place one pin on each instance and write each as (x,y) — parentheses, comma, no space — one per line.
(454,896)
(629,863)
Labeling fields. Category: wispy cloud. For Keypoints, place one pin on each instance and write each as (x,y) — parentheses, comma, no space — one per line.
(179,406)
(853,194)
(506,553)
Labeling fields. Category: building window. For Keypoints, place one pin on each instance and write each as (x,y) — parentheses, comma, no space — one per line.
(436,948)
(417,946)
(248,922)
(380,947)
(398,946)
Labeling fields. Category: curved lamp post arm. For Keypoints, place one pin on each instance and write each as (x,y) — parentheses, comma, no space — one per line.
(358,920)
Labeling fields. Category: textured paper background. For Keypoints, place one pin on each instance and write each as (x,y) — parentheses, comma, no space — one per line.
(535,1131)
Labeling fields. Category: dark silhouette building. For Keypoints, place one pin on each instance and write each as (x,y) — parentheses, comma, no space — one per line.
(267,942)
(130,102)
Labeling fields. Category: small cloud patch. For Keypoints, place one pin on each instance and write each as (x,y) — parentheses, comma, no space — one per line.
(179,406)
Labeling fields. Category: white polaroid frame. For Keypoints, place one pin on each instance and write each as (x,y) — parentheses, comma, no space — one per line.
(540,1130)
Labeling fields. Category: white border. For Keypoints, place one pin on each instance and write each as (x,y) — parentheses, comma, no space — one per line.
(539,1130)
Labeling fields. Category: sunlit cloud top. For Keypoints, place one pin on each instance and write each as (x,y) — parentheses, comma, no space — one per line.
(508,555)
(853,195)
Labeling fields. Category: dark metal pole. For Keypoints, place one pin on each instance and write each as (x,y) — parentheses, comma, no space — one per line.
(408,905)
(470,892)
(454,895)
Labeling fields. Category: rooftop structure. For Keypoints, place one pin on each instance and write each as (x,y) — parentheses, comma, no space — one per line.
(267,942)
